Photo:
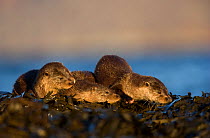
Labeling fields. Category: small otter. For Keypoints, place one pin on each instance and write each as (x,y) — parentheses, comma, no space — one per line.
(114,72)
(84,75)
(50,77)
(88,91)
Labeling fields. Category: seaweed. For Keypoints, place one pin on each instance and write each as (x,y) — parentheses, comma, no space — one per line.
(63,116)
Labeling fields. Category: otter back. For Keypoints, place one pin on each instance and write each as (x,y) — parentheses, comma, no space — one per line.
(24,83)
(110,68)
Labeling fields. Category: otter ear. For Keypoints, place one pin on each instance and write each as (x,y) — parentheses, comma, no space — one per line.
(147,84)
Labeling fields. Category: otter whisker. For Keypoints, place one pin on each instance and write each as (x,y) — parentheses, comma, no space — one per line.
(152,107)
(145,102)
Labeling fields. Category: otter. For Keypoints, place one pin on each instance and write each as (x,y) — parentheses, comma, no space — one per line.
(50,78)
(114,72)
(91,92)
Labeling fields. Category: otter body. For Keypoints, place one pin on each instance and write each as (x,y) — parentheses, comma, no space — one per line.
(50,78)
(115,72)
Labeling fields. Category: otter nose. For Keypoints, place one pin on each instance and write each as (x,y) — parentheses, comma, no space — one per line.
(169,99)
(72,81)
(117,96)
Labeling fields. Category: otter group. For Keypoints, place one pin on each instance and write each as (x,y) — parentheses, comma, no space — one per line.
(112,80)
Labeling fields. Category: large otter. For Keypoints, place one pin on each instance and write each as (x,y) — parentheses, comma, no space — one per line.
(115,72)
(50,78)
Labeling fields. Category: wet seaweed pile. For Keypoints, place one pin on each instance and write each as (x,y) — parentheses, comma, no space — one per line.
(62,116)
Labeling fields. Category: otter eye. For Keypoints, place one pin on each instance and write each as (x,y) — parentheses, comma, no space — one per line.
(107,92)
(61,78)
(147,84)
(46,74)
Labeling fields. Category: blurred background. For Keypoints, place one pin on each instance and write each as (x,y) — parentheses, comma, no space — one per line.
(169,40)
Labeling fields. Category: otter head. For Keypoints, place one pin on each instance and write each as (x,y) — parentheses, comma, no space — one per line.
(52,77)
(84,75)
(104,94)
(141,87)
